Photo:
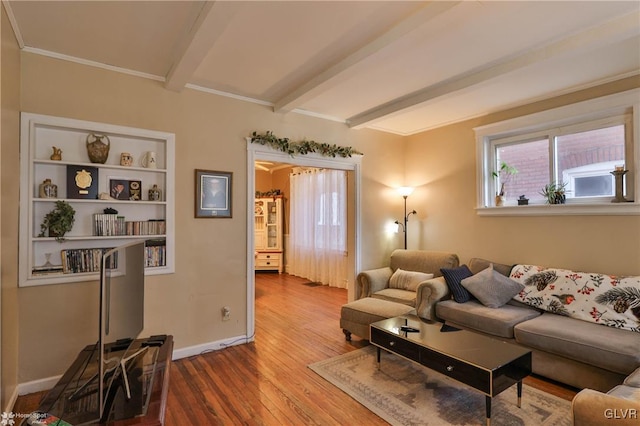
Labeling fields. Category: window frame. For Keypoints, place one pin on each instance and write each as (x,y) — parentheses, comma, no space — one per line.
(621,108)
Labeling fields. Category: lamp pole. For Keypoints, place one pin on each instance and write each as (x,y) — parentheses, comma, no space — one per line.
(406,219)
(405,191)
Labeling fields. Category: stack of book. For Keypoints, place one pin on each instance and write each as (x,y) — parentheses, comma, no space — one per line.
(105,224)
(46,270)
(108,224)
(155,253)
(149,227)
(83,260)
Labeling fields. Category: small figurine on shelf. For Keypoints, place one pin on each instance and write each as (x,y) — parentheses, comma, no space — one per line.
(57,154)
(126,159)
(48,189)
(155,194)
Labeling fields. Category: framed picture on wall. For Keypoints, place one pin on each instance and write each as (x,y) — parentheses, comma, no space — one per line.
(125,189)
(213,194)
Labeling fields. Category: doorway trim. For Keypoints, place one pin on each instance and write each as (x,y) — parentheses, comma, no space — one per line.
(257,152)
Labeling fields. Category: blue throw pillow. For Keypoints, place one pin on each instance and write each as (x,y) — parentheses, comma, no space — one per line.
(453,277)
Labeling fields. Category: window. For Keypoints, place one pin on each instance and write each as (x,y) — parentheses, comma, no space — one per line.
(578,146)
(578,158)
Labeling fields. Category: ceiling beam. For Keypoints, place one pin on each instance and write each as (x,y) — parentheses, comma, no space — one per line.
(612,31)
(321,80)
(198,41)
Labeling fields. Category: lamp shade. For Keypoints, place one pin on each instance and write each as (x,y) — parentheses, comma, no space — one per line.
(405,191)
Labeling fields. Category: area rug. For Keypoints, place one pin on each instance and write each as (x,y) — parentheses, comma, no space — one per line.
(405,393)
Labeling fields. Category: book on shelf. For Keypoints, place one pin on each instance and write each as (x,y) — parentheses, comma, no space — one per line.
(107,224)
(155,253)
(89,259)
(46,270)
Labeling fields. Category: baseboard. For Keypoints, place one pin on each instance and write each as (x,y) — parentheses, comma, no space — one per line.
(210,347)
(49,382)
(38,385)
(11,401)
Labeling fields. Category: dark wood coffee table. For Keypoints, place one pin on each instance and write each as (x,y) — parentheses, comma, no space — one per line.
(484,363)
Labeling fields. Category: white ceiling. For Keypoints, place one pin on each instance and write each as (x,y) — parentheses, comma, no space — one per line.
(400,67)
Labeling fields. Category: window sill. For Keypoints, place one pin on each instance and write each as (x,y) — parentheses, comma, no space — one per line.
(620,209)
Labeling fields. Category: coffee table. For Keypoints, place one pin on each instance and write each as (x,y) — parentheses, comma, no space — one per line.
(484,363)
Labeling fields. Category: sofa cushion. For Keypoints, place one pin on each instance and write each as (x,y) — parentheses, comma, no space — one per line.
(423,261)
(633,379)
(491,288)
(477,264)
(474,315)
(369,310)
(396,295)
(453,277)
(407,280)
(625,392)
(595,298)
(605,347)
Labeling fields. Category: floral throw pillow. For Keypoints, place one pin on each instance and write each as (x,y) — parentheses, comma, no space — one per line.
(602,299)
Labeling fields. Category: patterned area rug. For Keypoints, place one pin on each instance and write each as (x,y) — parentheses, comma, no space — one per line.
(404,393)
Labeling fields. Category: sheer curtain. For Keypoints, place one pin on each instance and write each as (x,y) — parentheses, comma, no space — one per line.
(318,226)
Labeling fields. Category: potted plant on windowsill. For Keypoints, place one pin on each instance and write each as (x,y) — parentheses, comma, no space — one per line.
(504,175)
(58,221)
(555,192)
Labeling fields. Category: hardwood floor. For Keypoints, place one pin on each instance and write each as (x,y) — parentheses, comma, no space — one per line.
(267,382)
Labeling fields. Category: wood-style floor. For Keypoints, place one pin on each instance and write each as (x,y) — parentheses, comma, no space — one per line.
(267,382)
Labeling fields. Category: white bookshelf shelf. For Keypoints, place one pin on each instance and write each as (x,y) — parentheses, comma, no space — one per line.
(39,134)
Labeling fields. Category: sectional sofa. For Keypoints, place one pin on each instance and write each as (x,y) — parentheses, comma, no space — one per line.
(577,349)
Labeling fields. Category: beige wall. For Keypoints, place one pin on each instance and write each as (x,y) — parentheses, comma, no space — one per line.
(442,165)
(211,254)
(9,134)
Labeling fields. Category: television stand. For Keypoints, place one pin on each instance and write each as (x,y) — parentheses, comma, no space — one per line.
(155,356)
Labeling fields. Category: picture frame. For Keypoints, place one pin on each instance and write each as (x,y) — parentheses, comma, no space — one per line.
(213,196)
(82,182)
(125,189)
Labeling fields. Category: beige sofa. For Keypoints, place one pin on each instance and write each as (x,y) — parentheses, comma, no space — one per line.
(571,351)
(375,283)
(377,298)
(620,406)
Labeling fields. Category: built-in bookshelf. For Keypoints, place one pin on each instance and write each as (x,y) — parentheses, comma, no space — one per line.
(105,217)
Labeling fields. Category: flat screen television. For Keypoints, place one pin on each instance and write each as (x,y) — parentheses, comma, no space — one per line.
(103,382)
(121,316)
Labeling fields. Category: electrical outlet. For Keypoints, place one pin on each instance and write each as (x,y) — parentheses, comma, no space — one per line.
(226,313)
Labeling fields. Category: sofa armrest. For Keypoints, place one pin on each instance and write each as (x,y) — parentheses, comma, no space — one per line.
(429,293)
(368,282)
(593,408)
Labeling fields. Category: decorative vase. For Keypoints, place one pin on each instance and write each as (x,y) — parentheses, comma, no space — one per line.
(97,149)
(48,189)
(155,194)
(500,199)
(57,154)
(126,159)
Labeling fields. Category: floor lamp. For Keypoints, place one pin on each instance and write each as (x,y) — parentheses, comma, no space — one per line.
(405,191)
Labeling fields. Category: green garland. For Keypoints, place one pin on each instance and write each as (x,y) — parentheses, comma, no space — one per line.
(303,147)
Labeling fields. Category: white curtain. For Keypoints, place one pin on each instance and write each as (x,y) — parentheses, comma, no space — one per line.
(318,226)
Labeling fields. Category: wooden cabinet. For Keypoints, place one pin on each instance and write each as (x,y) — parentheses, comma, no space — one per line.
(147,164)
(268,234)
